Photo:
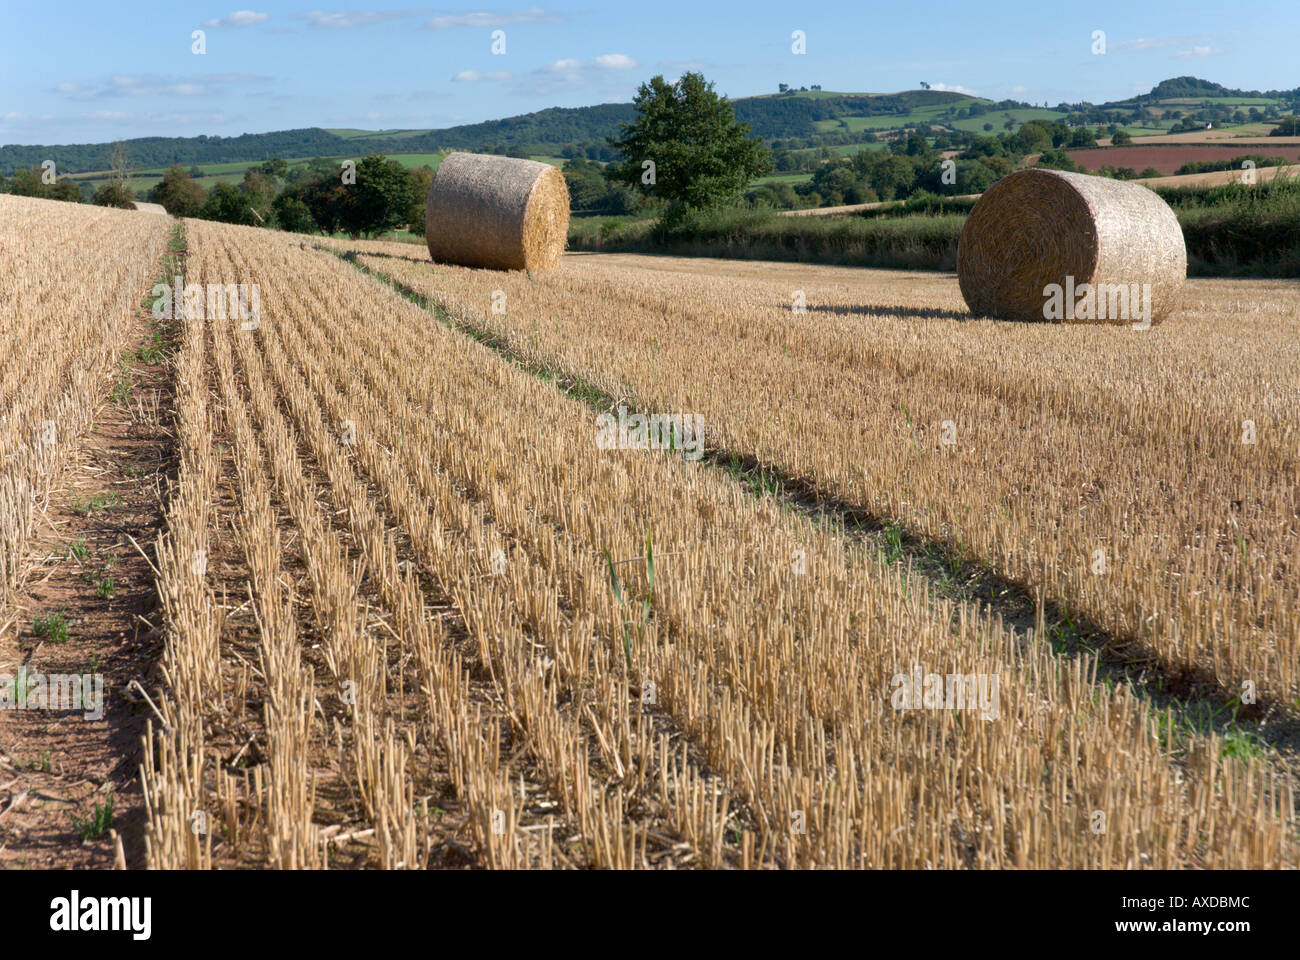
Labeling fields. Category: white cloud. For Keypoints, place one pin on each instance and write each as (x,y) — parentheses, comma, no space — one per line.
(953,88)
(1197,52)
(240,18)
(572,74)
(1156,43)
(347,19)
(1019,89)
(121,116)
(683,66)
(484,18)
(474,76)
(139,85)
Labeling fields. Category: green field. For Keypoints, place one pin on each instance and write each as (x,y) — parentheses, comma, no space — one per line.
(410,160)
(935,114)
(931,113)
(782,178)
(1222,101)
(844,149)
(1018,119)
(348,133)
(1143,131)
(143,180)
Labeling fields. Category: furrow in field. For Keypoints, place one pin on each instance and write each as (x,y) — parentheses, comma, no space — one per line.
(615,734)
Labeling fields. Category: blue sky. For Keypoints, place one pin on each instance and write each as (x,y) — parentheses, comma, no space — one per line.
(95,71)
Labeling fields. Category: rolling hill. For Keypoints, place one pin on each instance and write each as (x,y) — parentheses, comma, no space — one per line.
(796,119)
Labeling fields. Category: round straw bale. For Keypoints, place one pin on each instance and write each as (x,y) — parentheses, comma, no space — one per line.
(497,212)
(147,207)
(1036,228)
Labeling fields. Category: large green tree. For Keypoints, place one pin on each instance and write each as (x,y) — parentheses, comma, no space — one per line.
(380,199)
(686,146)
(291,213)
(227,203)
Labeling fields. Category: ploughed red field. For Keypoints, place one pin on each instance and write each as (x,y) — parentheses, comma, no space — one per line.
(1167,158)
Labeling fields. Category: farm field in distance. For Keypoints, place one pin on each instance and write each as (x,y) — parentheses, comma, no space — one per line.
(441,622)
(1168,158)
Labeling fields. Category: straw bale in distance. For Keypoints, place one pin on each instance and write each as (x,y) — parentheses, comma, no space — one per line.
(1038,227)
(497,212)
(147,207)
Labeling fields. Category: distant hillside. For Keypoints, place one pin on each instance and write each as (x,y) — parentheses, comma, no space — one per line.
(1184,87)
(802,119)
(543,132)
(796,116)
(164,151)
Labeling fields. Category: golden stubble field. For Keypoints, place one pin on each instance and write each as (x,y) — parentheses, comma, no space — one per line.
(437,624)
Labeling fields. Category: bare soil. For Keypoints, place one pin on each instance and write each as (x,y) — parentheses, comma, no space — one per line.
(86,574)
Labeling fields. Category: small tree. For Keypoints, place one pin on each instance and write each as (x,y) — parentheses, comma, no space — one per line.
(893,176)
(325,198)
(1083,137)
(120,163)
(114,194)
(421,180)
(291,213)
(179,193)
(275,168)
(259,192)
(227,203)
(686,146)
(65,190)
(27,183)
(587,184)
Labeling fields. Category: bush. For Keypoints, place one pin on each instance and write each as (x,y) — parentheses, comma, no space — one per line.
(748,233)
(1057,160)
(114,195)
(179,193)
(292,214)
(1207,166)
